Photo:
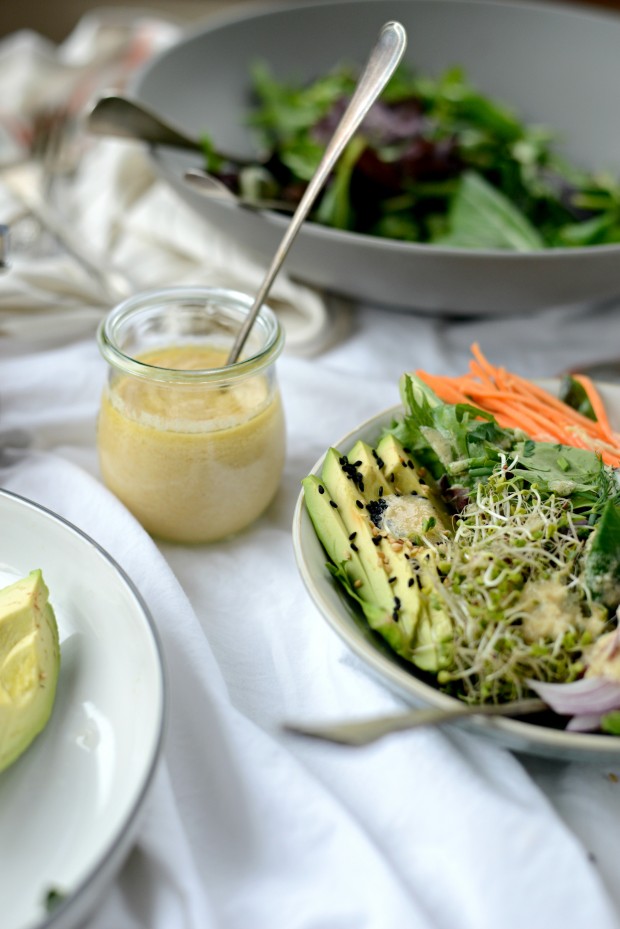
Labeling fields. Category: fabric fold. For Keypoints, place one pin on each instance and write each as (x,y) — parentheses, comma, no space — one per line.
(110,200)
(437,829)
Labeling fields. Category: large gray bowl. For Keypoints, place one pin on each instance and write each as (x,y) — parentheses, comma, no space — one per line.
(555,65)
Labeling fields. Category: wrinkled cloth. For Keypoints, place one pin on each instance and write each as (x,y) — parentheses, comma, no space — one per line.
(438,829)
(111,200)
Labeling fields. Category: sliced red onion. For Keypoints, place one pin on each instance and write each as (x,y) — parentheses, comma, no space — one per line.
(589,696)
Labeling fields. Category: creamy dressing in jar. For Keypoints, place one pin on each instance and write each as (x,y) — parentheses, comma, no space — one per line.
(193,448)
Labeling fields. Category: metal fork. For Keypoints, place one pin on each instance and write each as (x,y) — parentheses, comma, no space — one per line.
(54,148)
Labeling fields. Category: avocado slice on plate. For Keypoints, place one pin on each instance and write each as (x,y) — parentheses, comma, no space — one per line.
(29,664)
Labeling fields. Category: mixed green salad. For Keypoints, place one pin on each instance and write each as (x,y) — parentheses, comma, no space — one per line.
(486,559)
(435,161)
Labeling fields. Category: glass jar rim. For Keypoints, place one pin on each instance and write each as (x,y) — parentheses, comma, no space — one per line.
(111,323)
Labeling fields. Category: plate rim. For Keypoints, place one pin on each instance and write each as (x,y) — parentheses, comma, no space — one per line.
(111,851)
(520,736)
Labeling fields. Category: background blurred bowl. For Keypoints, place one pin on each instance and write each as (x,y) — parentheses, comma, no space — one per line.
(554,65)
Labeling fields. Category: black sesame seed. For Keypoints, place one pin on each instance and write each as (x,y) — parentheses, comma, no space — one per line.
(395,616)
(410,582)
(391,580)
(375,510)
(397,602)
(352,536)
(321,489)
(354,546)
(334,504)
(376,539)
(356,464)
(381,491)
(359,504)
(391,478)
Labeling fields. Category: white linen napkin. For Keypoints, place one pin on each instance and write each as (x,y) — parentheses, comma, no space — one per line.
(432,829)
(115,207)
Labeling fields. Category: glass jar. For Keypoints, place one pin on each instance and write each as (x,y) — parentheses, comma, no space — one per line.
(192,446)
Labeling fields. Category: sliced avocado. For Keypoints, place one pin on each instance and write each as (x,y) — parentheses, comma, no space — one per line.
(398,569)
(435,636)
(394,582)
(344,484)
(331,530)
(351,504)
(347,566)
(404,477)
(362,458)
(399,468)
(29,664)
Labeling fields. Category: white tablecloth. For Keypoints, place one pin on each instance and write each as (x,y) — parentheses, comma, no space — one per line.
(245,827)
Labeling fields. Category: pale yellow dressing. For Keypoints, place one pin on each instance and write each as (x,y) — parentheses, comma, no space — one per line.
(192,463)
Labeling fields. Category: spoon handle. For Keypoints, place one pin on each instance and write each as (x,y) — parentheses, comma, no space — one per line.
(382,63)
(365,731)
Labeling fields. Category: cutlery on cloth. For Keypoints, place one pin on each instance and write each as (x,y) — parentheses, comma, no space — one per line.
(23,182)
(365,731)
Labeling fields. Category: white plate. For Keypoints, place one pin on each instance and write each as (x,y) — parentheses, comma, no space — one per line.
(397,674)
(69,806)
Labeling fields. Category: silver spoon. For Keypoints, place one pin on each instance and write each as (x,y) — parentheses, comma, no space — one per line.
(121,117)
(365,731)
(382,63)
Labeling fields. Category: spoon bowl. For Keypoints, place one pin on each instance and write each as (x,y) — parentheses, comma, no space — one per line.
(121,117)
